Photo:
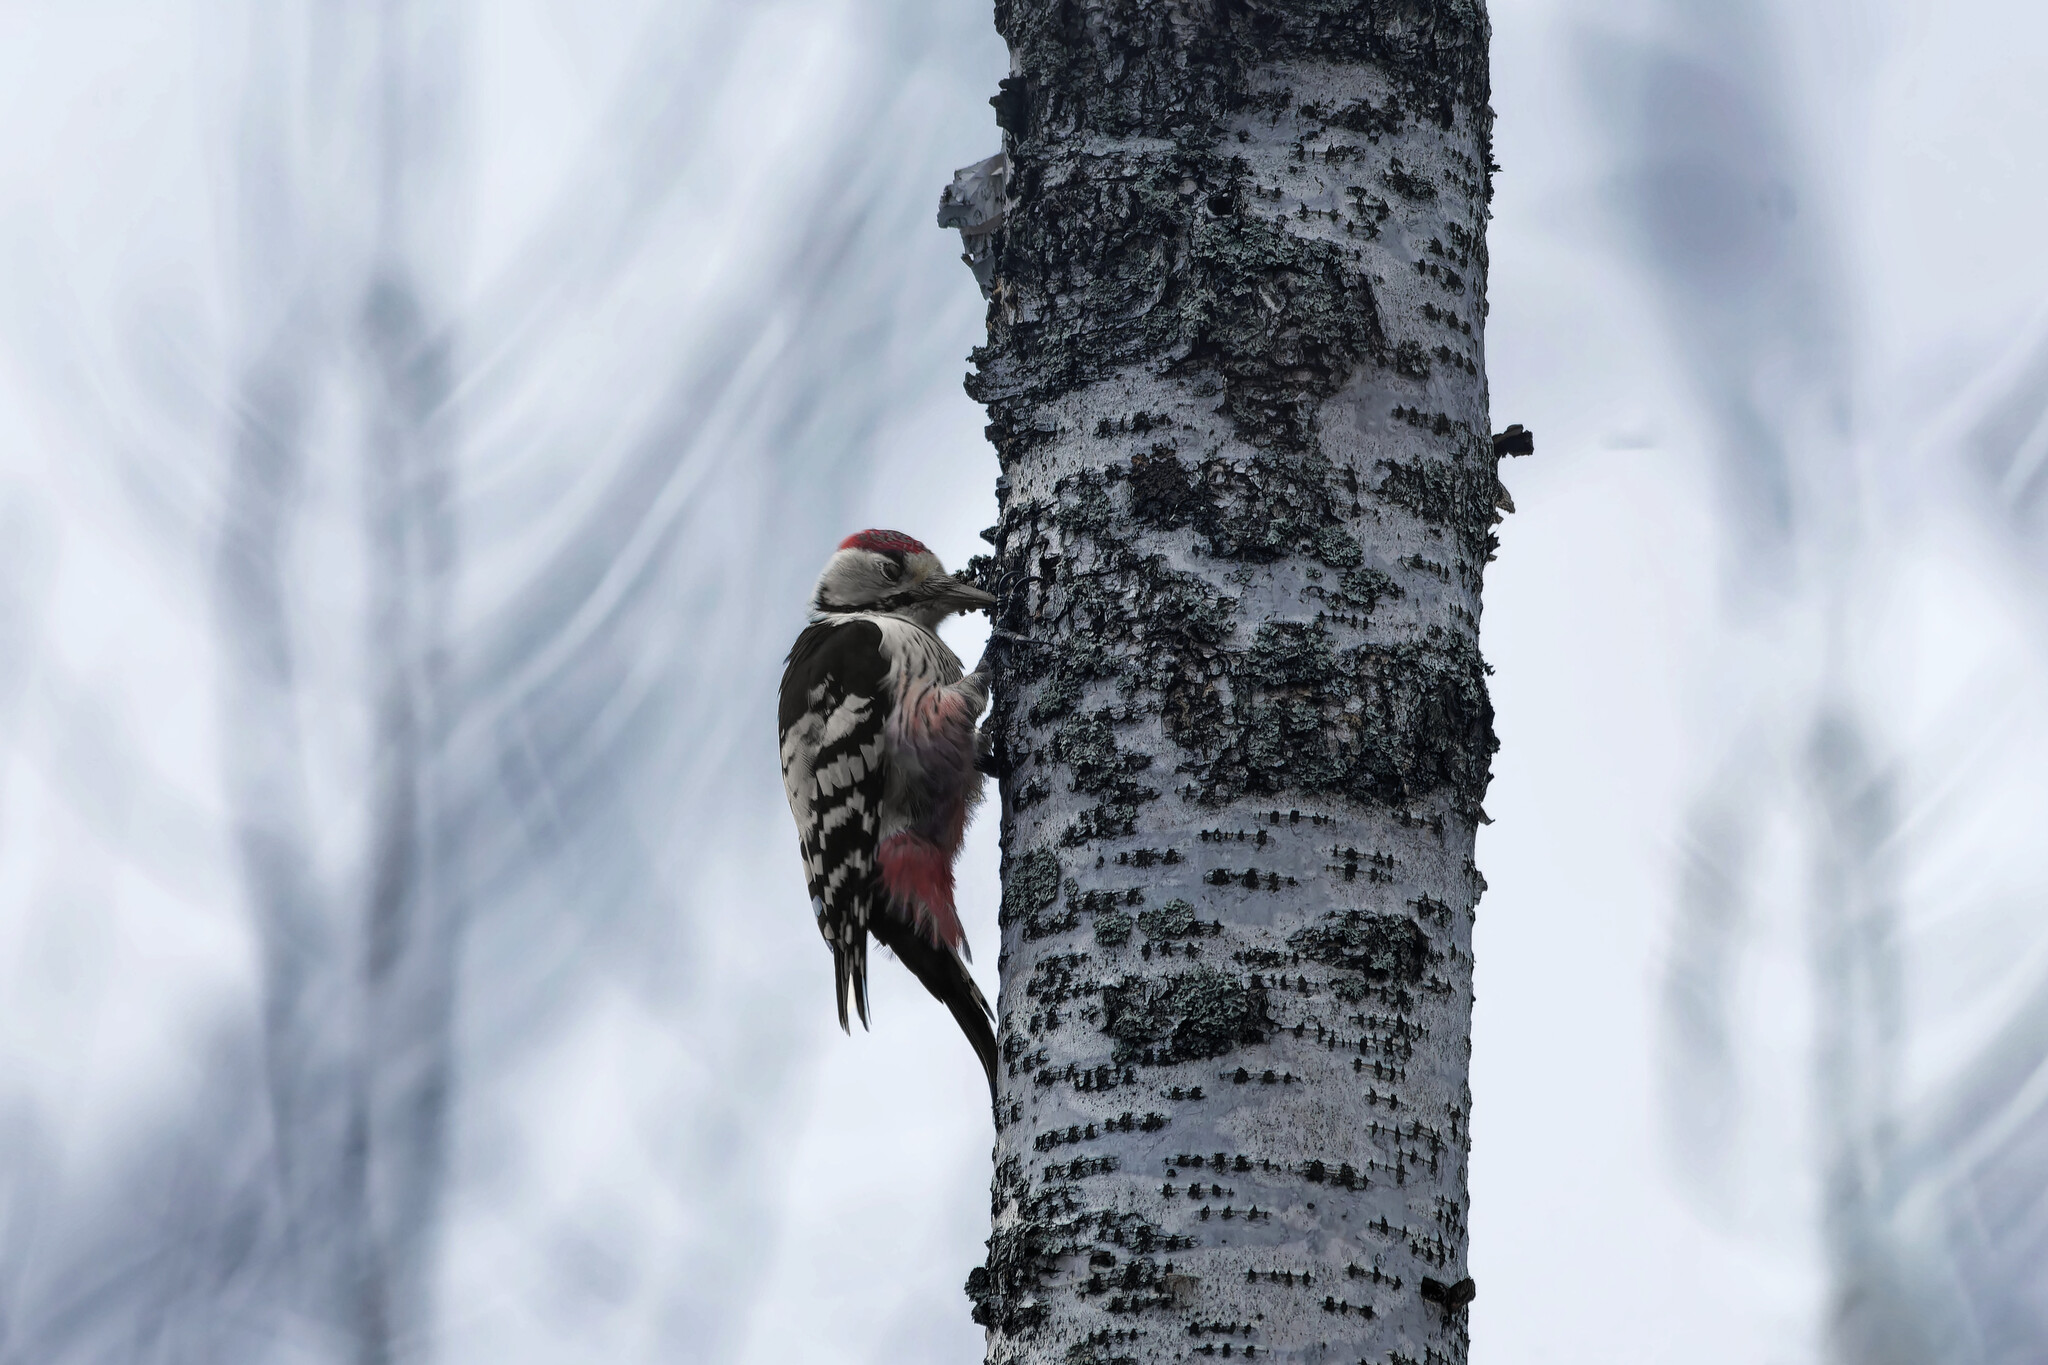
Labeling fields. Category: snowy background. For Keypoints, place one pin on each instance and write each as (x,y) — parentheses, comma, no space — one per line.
(420,421)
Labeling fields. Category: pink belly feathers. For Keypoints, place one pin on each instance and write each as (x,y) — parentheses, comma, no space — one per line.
(936,728)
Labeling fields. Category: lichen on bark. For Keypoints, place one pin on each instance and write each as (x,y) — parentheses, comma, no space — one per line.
(1235,376)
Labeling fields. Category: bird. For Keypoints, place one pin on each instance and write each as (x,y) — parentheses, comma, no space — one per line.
(877,722)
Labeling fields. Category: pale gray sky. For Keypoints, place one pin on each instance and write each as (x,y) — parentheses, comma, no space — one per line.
(1764,284)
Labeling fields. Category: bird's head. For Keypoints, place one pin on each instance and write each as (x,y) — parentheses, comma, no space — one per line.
(887,571)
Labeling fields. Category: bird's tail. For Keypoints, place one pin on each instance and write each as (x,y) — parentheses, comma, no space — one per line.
(850,968)
(946,977)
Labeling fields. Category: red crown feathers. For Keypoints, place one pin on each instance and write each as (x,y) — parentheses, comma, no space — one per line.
(883,542)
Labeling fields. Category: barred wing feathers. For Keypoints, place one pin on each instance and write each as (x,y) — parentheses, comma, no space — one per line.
(833,716)
(846,758)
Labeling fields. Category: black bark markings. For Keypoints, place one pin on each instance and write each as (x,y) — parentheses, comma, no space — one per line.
(1140,267)
(1049,1225)
(1183,1016)
(1258,718)
(1155,261)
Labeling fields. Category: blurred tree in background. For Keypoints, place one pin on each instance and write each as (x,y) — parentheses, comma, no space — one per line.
(1748,237)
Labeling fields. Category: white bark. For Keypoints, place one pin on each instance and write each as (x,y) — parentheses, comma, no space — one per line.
(1237,382)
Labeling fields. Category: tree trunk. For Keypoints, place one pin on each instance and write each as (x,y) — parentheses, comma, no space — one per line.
(1237,277)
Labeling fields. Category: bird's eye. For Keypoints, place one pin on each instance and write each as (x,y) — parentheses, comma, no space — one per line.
(891,570)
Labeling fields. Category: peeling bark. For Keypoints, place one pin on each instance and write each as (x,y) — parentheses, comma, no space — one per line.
(1235,374)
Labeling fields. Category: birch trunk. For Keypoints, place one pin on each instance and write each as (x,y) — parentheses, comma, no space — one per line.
(1236,261)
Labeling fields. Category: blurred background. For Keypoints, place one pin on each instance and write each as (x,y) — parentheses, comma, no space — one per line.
(420,422)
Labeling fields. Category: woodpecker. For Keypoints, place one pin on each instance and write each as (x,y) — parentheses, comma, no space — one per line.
(878,756)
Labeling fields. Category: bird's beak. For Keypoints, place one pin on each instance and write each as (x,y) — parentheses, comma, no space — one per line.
(958,595)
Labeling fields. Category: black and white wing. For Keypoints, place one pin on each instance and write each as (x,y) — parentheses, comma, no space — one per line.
(833,716)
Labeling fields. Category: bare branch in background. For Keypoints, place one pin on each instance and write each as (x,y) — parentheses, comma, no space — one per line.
(1702,1078)
(1740,237)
